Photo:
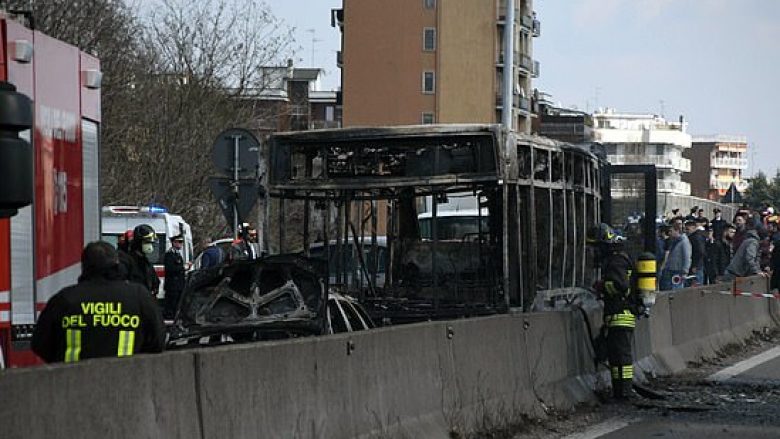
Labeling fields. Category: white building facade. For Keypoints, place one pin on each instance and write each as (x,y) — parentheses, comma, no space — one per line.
(645,139)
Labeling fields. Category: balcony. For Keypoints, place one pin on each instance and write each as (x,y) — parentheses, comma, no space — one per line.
(524,103)
(524,62)
(726,184)
(537,28)
(339,59)
(516,101)
(535,72)
(679,164)
(521,60)
(729,163)
(629,187)
(676,187)
(551,129)
(527,23)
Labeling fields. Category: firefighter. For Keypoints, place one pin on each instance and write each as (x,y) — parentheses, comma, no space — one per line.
(101,316)
(621,307)
(140,269)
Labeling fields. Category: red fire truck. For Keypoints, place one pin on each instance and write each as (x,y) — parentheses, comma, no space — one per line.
(40,247)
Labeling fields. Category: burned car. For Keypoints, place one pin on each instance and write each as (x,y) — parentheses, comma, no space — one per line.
(275,297)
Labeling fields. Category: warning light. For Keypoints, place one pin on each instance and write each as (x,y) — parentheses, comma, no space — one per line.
(156,208)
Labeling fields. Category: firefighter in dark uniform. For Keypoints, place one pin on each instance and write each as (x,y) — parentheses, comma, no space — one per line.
(101,316)
(622,304)
(140,269)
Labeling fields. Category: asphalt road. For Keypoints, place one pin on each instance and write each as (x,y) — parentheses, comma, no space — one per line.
(738,401)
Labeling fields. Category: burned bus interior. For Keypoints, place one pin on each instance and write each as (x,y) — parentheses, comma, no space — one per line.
(436,221)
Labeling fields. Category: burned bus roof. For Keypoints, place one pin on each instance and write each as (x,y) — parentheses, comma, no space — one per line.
(383,132)
(365,158)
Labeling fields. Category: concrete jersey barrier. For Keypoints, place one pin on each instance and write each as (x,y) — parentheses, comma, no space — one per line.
(421,380)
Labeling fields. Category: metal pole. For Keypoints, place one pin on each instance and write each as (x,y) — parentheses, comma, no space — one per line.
(509,63)
(434,241)
(236,140)
(262,211)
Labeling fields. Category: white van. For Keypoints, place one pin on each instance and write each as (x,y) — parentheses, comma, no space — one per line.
(116,220)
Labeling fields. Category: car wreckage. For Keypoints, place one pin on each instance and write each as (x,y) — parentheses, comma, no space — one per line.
(274,297)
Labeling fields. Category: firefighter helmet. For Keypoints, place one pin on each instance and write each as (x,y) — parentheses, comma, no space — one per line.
(144,232)
(604,234)
(144,238)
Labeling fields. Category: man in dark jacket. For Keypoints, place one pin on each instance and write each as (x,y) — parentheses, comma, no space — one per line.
(717,224)
(721,250)
(710,270)
(101,316)
(698,248)
(174,276)
(140,269)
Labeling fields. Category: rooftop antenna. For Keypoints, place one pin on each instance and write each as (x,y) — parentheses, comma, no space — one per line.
(314,40)
(663,108)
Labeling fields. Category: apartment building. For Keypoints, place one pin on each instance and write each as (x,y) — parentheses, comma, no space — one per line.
(290,99)
(638,139)
(560,123)
(433,61)
(717,162)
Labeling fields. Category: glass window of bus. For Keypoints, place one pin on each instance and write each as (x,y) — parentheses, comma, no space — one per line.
(369,257)
(453,228)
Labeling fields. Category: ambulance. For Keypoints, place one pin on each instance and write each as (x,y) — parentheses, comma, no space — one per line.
(116,220)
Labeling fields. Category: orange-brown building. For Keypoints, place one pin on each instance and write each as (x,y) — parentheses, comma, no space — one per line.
(433,61)
(717,162)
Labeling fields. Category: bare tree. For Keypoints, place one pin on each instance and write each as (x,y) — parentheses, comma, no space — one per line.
(203,63)
(173,79)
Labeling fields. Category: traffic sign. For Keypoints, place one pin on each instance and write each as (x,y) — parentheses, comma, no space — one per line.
(224,154)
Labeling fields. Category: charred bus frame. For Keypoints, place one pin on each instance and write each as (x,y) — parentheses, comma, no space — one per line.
(541,197)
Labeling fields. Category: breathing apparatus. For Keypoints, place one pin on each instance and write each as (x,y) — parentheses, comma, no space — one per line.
(144,238)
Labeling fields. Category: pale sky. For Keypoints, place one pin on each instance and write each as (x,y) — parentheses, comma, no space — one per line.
(717,62)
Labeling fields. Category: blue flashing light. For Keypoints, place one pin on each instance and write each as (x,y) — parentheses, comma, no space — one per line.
(156,208)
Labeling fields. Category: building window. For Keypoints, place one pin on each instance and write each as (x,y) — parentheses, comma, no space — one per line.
(329,113)
(429,82)
(429,4)
(427,118)
(429,39)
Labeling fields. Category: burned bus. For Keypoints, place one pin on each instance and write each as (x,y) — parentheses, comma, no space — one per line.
(354,197)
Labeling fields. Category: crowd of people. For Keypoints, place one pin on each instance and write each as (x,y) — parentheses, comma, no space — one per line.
(695,250)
